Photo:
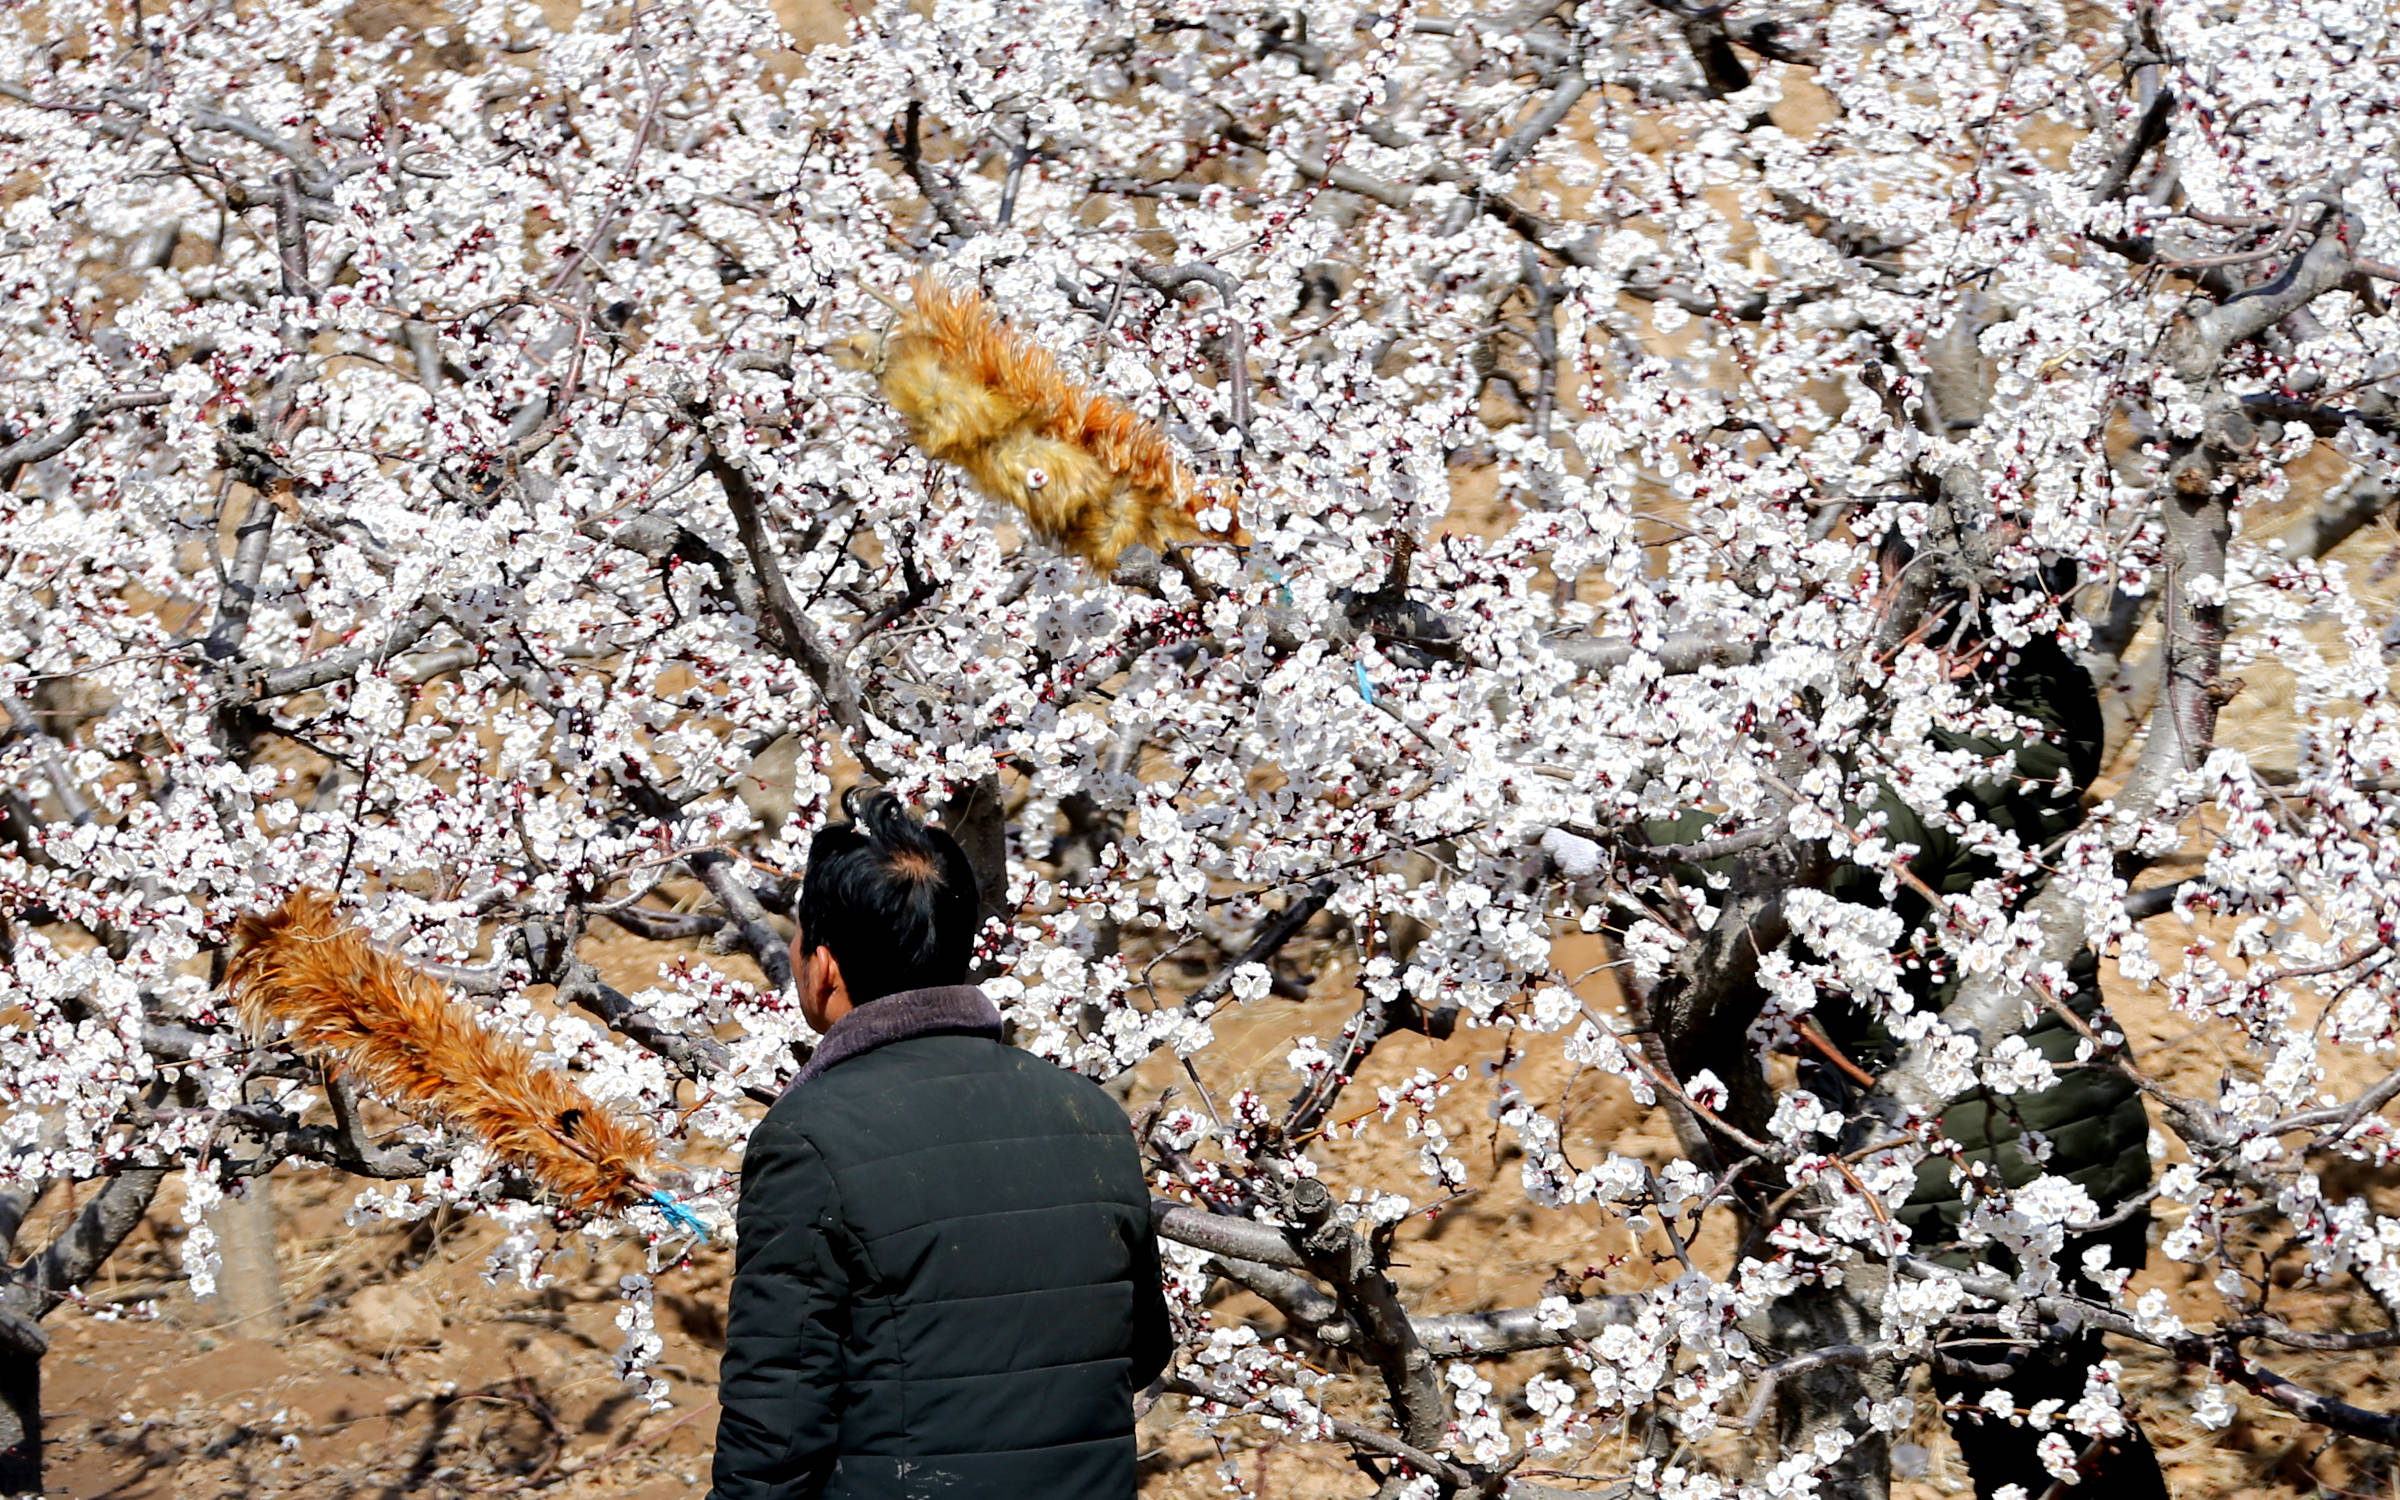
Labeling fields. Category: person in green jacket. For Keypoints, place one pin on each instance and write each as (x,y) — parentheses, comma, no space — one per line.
(945,1282)
(2088,1127)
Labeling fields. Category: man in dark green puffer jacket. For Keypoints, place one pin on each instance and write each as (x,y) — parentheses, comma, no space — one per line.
(946,1284)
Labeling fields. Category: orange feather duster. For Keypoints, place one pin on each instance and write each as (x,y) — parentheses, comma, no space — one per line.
(1089,475)
(397,1033)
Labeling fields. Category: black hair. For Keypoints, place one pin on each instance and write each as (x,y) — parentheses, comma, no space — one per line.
(895,900)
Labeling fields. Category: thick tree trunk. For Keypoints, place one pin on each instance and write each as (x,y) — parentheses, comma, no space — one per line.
(249,1297)
(1826,1398)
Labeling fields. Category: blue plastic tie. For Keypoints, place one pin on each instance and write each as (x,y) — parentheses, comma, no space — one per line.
(679,1216)
(1366,689)
(1283,591)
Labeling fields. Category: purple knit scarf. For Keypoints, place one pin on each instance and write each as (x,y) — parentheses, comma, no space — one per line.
(949,1008)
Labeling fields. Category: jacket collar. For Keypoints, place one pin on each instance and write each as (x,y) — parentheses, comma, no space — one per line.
(945,1009)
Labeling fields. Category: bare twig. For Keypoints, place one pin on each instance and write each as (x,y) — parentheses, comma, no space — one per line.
(1271,938)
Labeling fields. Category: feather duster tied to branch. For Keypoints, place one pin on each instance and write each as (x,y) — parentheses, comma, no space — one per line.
(398,1034)
(1089,475)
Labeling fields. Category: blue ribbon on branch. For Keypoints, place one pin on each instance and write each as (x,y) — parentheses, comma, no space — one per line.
(679,1216)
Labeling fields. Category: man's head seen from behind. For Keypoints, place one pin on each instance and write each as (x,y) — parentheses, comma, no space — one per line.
(888,904)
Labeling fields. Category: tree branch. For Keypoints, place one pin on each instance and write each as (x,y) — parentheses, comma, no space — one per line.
(1489,1335)
(662,926)
(339,666)
(240,591)
(1286,925)
(2196,346)
(1345,1260)
(787,626)
(1310,1311)
(2377,411)
(2341,517)
(41,1282)
(291,238)
(1678,655)
(343,1145)
(1420,1459)
(2148,132)
(698,1056)
(962,221)
(19,455)
(1569,85)
(14,1206)
(1224,1235)
(765,946)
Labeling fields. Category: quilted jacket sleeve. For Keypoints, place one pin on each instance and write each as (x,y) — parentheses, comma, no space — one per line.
(781,1379)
